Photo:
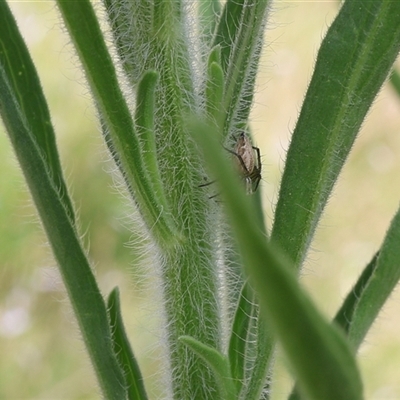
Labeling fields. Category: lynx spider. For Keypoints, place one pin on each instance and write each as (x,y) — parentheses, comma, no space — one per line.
(248,161)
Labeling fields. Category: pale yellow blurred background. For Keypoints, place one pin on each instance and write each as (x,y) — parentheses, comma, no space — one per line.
(42,355)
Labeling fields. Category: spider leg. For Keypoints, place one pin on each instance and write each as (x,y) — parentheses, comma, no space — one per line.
(258,158)
(240,160)
(257,180)
(207,184)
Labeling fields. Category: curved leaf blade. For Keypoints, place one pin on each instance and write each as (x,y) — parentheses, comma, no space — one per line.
(344,317)
(354,59)
(319,355)
(239,334)
(217,362)
(83,26)
(239,34)
(123,349)
(22,76)
(380,285)
(85,296)
(250,346)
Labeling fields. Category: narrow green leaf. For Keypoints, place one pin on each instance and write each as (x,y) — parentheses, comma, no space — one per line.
(250,347)
(214,94)
(215,55)
(240,40)
(84,29)
(227,29)
(22,76)
(384,278)
(144,119)
(264,348)
(88,304)
(318,353)
(144,116)
(365,300)
(217,362)
(239,334)
(345,315)
(123,350)
(354,59)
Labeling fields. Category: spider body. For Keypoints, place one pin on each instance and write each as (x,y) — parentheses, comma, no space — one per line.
(248,162)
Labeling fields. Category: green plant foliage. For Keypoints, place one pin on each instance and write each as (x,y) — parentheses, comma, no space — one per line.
(172,98)
(78,277)
(22,77)
(373,288)
(123,350)
(353,62)
(293,318)
(217,362)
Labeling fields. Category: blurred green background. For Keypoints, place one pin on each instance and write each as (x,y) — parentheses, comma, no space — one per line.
(42,355)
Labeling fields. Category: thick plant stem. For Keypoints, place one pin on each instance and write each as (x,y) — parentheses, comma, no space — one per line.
(188,271)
